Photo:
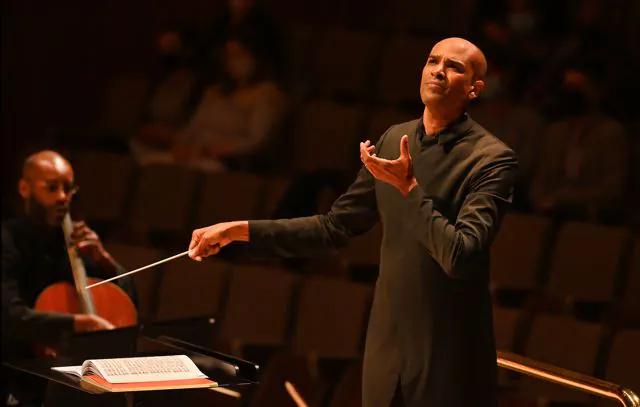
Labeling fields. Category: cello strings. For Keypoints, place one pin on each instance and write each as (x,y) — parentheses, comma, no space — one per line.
(139,269)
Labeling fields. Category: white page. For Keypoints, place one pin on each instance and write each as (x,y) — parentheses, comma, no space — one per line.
(148,369)
(75,370)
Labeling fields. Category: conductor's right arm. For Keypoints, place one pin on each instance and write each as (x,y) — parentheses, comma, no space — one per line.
(353,213)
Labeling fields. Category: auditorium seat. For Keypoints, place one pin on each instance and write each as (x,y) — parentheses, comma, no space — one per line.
(586,261)
(123,104)
(341,63)
(163,199)
(191,289)
(622,364)
(517,251)
(295,369)
(348,391)
(381,118)
(146,282)
(327,136)
(400,72)
(229,196)
(505,327)
(105,181)
(258,307)
(425,18)
(331,318)
(275,189)
(566,343)
(632,286)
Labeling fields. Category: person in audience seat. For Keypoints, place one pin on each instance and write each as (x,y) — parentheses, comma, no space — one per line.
(584,162)
(440,185)
(234,118)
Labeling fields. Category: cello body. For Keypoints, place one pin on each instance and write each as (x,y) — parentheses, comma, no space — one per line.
(108,300)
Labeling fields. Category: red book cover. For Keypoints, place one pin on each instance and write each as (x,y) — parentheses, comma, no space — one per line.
(145,386)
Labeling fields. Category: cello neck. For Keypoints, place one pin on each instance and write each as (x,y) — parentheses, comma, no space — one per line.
(85,300)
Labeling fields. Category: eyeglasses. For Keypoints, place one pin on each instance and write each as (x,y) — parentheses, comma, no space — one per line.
(69,188)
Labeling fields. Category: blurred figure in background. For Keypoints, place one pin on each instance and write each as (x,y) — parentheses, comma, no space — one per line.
(586,37)
(584,161)
(234,117)
(174,91)
(239,18)
(516,124)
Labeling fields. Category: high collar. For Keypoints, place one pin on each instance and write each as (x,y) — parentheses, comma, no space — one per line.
(450,133)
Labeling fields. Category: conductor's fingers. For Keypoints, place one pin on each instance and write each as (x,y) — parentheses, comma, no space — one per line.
(207,246)
(195,239)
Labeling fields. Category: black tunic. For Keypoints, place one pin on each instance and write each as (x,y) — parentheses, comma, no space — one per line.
(431,327)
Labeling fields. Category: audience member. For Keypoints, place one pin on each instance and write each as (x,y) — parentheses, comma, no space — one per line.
(234,118)
(584,162)
(174,91)
(240,18)
(518,125)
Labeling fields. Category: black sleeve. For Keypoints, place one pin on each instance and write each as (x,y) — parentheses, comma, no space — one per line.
(455,244)
(352,214)
(19,321)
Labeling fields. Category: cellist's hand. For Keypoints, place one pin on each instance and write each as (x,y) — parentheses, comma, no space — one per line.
(90,323)
(87,241)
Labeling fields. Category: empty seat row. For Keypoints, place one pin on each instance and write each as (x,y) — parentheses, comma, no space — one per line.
(166,197)
(575,261)
(258,305)
(572,260)
(254,303)
(266,306)
(584,347)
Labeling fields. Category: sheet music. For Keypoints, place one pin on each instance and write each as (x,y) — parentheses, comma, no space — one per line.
(140,369)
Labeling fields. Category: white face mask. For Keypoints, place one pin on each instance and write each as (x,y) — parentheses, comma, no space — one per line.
(522,22)
(241,68)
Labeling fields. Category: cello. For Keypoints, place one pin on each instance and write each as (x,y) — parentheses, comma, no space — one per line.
(108,301)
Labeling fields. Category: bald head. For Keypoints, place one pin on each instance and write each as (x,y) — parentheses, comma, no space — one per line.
(43,161)
(47,186)
(473,54)
(452,76)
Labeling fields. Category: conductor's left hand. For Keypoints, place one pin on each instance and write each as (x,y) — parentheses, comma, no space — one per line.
(398,172)
(208,241)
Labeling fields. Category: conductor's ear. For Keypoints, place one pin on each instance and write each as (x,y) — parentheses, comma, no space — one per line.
(476,89)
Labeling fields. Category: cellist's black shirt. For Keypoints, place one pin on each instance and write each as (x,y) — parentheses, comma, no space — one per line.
(33,257)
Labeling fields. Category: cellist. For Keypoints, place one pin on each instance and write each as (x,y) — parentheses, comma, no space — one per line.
(34,256)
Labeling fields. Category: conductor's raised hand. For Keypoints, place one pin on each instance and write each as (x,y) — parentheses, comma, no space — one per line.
(208,241)
(398,172)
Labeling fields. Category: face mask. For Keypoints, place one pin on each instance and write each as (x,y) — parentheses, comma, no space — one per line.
(521,23)
(241,68)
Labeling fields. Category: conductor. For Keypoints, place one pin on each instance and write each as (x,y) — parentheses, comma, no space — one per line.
(440,185)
